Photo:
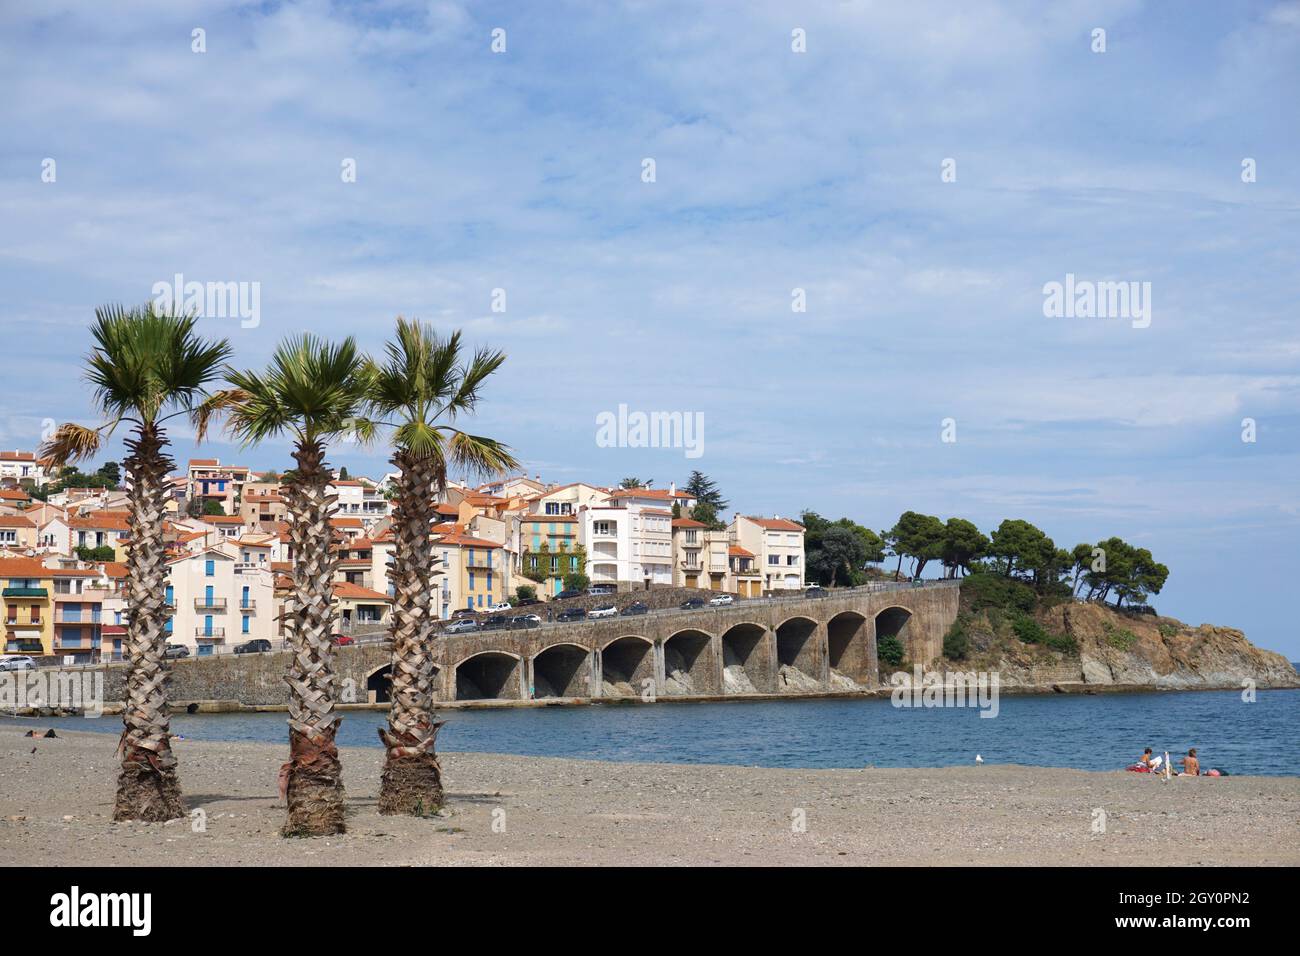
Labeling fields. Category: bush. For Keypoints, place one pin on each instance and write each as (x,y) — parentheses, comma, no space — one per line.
(956,645)
(1031,632)
(1168,630)
(1119,637)
(526,592)
(576,581)
(993,590)
(889,650)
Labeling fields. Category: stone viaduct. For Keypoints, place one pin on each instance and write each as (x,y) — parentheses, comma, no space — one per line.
(762,646)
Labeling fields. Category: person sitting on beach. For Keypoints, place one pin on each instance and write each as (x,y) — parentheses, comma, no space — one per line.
(1146,757)
(1191,766)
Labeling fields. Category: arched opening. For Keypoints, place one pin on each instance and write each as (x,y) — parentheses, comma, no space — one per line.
(797,655)
(892,626)
(488,676)
(625,665)
(746,661)
(690,666)
(848,649)
(562,670)
(379,685)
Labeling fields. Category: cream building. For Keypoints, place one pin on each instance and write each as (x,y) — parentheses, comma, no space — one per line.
(218,600)
(777,545)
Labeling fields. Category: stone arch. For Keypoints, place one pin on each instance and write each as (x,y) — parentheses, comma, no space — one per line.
(747,659)
(626,663)
(562,670)
(893,621)
(798,654)
(849,650)
(690,663)
(379,682)
(489,675)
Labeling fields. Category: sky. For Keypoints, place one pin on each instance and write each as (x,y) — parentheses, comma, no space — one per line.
(921,171)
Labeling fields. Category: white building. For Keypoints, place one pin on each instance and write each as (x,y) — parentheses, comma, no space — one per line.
(217,599)
(777,545)
(627,543)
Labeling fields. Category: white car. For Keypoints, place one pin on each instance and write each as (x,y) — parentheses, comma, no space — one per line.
(502,606)
(605,610)
(721,600)
(17,663)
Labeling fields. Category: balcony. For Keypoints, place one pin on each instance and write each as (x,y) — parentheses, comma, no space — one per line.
(209,604)
(26,592)
(248,604)
(63,617)
(210,632)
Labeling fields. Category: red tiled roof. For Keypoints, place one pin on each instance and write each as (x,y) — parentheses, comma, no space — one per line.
(688,523)
(736,551)
(776,524)
(344,589)
(16,521)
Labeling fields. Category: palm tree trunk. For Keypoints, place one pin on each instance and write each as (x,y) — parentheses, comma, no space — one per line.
(147,787)
(314,775)
(412,778)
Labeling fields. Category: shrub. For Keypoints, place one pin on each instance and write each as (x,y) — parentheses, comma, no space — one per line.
(1168,630)
(956,645)
(985,590)
(526,592)
(1031,632)
(1119,637)
(889,650)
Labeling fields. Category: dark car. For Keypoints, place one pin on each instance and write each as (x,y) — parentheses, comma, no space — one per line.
(525,621)
(692,604)
(462,613)
(173,651)
(259,646)
(572,614)
(636,607)
(495,623)
(569,593)
(816,591)
(527,602)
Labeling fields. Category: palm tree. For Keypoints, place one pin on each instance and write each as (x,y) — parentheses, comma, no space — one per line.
(147,367)
(311,391)
(419,391)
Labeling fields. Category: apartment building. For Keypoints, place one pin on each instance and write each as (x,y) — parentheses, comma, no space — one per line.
(206,479)
(28,587)
(568,499)
(474,571)
(777,545)
(548,550)
(17,531)
(80,595)
(261,508)
(100,529)
(217,599)
(22,469)
(627,543)
(706,558)
(360,499)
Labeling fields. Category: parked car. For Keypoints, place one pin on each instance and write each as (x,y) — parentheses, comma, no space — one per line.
(18,662)
(257,646)
(495,623)
(341,640)
(464,612)
(816,591)
(692,604)
(637,607)
(527,602)
(173,651)
(568,593)
(599,589)
(605,610)
(721,600)
(500,606)
(461,626)
(571,614)
(525,621)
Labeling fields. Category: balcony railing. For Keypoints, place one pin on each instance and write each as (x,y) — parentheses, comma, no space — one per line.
(62,617)
(212,604)
(209,632)
(248,604)
(26,592)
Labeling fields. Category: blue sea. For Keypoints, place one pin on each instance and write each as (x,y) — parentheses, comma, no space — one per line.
(1101,732)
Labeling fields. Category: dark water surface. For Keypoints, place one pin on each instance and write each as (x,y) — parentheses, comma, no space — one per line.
(1102,732)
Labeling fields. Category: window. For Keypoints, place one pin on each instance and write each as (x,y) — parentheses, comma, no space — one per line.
(791,560)
(489,581)
(243,625)
(774,559)
(210,568)
(691,535)
(471,580)
(171,595)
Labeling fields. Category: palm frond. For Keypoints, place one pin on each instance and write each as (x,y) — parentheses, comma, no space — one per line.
(220,401)
(71,442)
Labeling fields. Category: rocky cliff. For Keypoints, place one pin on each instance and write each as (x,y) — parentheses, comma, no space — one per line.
(1097,645)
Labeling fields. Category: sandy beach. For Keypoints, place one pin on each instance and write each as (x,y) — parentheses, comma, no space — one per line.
(56,804)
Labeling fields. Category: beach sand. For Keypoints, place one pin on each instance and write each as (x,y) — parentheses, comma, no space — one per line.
(56,805)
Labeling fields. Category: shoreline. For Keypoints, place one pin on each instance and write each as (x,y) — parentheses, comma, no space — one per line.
(505,810)
(221,706)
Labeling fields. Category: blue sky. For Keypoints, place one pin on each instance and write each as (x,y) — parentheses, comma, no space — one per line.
(774,170)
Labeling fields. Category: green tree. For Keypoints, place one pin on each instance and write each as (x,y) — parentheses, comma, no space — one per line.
(1023,549)
(576,581)
(632,483)
(829,556)
(705,513)
(211,507)
(343,474)
(526,592)
(147,368)
(915,536)
(110,471)
(102,553)
(313,392)
(421,391)
(704,490)
(962,544)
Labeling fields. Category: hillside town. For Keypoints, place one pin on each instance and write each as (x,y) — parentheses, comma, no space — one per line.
(63,550)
